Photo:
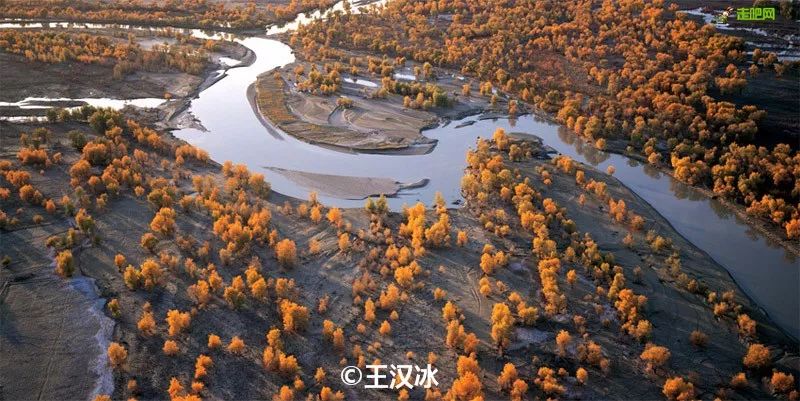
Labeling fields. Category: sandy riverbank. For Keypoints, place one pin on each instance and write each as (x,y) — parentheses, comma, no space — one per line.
(271,100)
(345,187)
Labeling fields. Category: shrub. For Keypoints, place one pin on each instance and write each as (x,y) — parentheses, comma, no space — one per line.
(507,376)
(757,356)
(655,356)
(178,322)
(547,381)
(97,153)
(30,194)
(739,380)
(334,216)
(465,387)
(78,140)
(488,263)
(592,353)
(119,261)
(259,289)
(698,338)
(287,365)
(404,276)
(449,311)
(164,221)
(114,309)
(344,242)
(385,328)
(344,102)
(286,252)
(161,197)
(284,394)
(65,264)
(548,270)
(18,178)
(338,339)
(319,375)
(315,215)
(201,366)
(326,394)
(314,246)
(502,325)
(781,383)
(84,221)
(175,389)
(34,157)
(438,234)
(81,170)
(148,241)
(563,339)
(500,139)
(151,273)
(236,346)
(461,238)
(485,287)
(582,375)
(678,389)
(147,323)
(170,348)
(234,294)
(747,326)
(257,183)
(199,292)
(284,288)
(295,317)
(132,277)
(389,298)
(369,310)
(214,341)
(117,354)
(528,314)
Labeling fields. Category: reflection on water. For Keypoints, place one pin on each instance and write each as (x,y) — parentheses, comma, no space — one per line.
(361,81)
(304,18)
(653,172)
(116,104)
(156,30)
(721,210)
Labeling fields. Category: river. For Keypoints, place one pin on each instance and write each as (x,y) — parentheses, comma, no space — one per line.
(763,269)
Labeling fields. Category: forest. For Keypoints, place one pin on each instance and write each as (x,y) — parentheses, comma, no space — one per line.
(179,13)
(125,56)
(633,73)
